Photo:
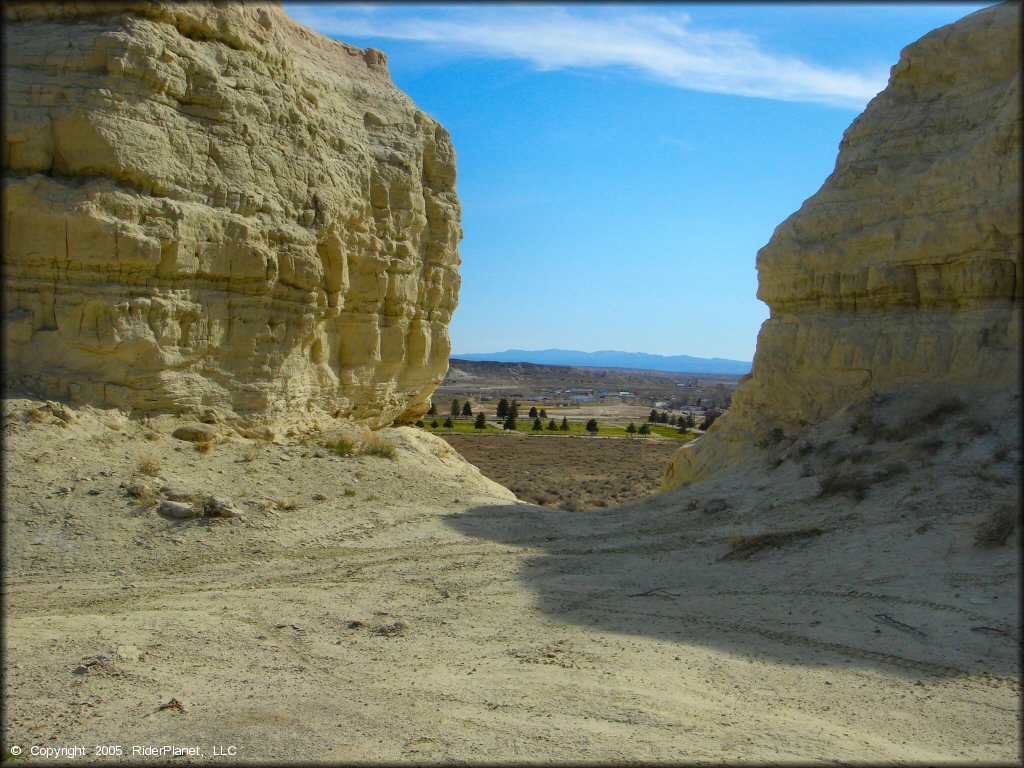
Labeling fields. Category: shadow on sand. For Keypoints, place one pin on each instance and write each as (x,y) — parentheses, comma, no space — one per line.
(654,572)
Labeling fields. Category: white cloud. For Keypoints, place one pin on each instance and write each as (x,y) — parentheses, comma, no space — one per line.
(664,46)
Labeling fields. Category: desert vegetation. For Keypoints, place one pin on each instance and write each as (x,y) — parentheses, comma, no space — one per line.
(571,473)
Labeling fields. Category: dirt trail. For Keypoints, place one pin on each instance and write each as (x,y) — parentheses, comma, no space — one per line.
(426,616)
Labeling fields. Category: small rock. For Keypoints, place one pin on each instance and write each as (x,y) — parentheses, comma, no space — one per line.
(214,507)
(320,453)
(195,433)
(81,669)
(94,491)
(137,490)
(106,472)
(127,653)
(209,417)
(64,490)
(715,505)
(174,493)
(395,628)
(178,510)
(61,411)
(319,497)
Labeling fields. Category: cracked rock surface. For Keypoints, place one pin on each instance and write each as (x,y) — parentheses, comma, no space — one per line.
(212,210)
(902,275)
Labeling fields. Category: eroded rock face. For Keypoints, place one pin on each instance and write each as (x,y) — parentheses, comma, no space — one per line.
(211,207)
(903,272)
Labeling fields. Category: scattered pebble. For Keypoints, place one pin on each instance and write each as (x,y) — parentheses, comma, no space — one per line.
(94,491)
(319,497)
(320,453)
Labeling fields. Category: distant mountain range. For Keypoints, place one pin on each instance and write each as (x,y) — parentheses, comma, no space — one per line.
(610,358)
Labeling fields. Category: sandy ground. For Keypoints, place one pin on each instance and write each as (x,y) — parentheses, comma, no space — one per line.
(523,634)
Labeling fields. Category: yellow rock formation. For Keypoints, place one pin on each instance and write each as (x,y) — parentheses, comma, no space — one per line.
(902,274)
(209,207)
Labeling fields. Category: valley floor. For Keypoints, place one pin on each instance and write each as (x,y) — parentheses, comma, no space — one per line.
(417,612)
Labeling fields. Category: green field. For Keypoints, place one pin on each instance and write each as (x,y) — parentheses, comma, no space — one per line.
(604,429)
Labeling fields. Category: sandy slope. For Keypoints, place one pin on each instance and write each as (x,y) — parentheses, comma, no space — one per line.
(529,636)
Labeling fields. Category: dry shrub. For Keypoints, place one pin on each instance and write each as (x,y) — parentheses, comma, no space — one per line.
(149,466)
(742,547)
(204,446)
(375,445)
(287,505)
(852,483)
(349,492)
(341,445)
(153,436)
(996,527)
(930,445)
(38,415)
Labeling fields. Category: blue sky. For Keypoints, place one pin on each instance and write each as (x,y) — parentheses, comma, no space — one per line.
(620,165)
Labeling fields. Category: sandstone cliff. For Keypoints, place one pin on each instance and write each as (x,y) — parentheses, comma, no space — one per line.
(209,207)
(901,277)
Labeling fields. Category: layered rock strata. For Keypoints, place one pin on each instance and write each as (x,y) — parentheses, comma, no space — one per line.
(902,274)
(209,207)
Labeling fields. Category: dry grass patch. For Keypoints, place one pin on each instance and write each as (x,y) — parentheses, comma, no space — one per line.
(38,415)
(375,445)
(996,528)
(287,504)
(149,466)
(742,547)
(341,445)
(850,482)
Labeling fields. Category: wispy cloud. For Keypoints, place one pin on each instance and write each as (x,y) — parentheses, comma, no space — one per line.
(665,46)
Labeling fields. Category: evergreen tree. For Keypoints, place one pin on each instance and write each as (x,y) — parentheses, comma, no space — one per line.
(592,426)
(537,426)
(419,424)
(653,417)
(432,411)
(644,429)
(533,412)
(481,421)
(672,421)
(691,422)
(513,411)
(682,427)
(467,410)
(631,429)
(663,418)
(509,424)
(709,419)
(456,409)
(448,423)
(502,411)
(552,426)
(434,424)
(543,413)
(565,424)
